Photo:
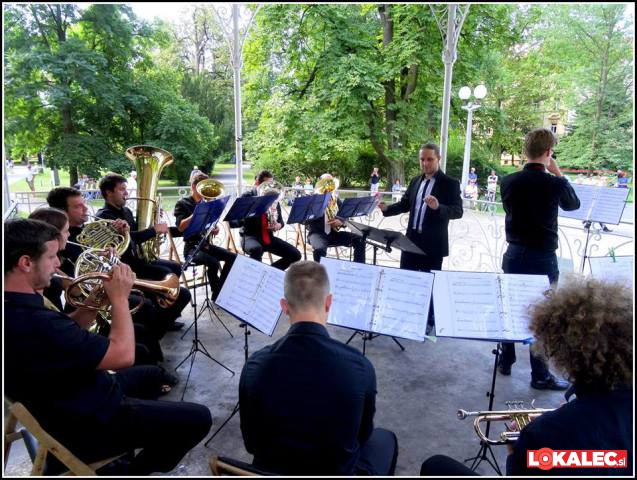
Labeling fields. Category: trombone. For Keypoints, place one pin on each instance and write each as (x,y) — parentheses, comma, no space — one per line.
(516,413)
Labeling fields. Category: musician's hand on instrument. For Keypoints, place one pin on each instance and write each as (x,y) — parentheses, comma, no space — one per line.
(215,230)
(121,226)
(161,228)
(276,227)
(432,202)
(118,287)
(382,206)
(335,223)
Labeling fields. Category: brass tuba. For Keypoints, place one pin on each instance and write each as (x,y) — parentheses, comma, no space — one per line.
(210,189)
(324,185)
(516,413)
(149,163)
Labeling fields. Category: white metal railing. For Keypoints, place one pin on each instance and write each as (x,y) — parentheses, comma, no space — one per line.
(476,241)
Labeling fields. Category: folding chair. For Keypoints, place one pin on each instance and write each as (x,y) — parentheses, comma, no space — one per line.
(226,466)
(39,444)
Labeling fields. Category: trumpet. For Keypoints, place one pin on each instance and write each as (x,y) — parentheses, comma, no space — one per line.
(94,297)
(516,413)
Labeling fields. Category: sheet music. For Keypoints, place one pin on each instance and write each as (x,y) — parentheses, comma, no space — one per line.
(352,286)
(466,304)
(402,303)
(378,299)
(252,292)
(598,204)
(519,293)
(487,306)
(619,270)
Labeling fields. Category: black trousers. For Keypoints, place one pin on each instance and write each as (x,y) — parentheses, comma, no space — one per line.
(443,466)
(379,454)
(320,242)
(165,431)
(521,259)
(254,247)
(212,256)
(420,263)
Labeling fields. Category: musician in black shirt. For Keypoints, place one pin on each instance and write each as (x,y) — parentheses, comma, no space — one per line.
(308,401)
(531,199)
(60,371)
(210,255)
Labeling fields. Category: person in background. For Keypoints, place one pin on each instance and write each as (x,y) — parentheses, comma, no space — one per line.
(473,176)
(374,182)
(396,191)
(309,186)
(492,186)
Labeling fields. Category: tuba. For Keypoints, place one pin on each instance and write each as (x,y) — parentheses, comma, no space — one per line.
(325,185)
(210,189)
(516,413)
(149,163)
(271,188)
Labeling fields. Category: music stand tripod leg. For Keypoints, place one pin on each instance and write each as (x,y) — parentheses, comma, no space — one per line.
(207,305)
(235,410)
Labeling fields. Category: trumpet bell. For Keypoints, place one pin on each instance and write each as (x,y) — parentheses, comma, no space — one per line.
(210,189)
(270,188)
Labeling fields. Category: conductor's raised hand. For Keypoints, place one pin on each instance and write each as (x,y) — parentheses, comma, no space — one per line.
(118,287)
(382,206)
(432,202)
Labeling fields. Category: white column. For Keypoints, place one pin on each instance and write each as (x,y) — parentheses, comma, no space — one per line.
(448,57)
(467,147)
(6,197)
(237,60)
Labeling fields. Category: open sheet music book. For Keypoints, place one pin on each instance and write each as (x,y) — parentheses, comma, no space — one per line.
(486,306)
(378,299)
(598,204)
(252,292)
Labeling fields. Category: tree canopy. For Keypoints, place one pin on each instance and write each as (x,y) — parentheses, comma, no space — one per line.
(326,87)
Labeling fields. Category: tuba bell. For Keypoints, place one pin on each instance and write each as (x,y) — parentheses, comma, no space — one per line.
(323,186)
(210,189)
(148,162)
(516,413)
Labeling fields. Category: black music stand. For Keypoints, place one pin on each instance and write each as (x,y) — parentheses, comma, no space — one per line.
(207,217)
(385,239)
(481,456)
(248,207)
(308,208)
(357,207)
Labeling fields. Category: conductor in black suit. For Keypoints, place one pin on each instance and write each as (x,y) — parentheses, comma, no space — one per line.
(432,199)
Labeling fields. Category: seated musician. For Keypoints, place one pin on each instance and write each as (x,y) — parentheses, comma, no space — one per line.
(59,371)
(114,190)
(586,328)
(210,255)
(257,235)
(147,348)
(308,401)
(155,319)
(323,233)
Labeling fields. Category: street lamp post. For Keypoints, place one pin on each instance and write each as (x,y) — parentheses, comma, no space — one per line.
(465,93)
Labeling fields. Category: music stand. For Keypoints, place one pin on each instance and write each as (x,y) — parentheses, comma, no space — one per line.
(385,239)
(199,221)
(208,214)
(248,207)
(236,269)
(308,208)
(481,456)
(357,207)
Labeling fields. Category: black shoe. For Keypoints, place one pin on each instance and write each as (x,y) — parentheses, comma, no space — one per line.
(550,383)
(504,369)
(606,229)
(176,326)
